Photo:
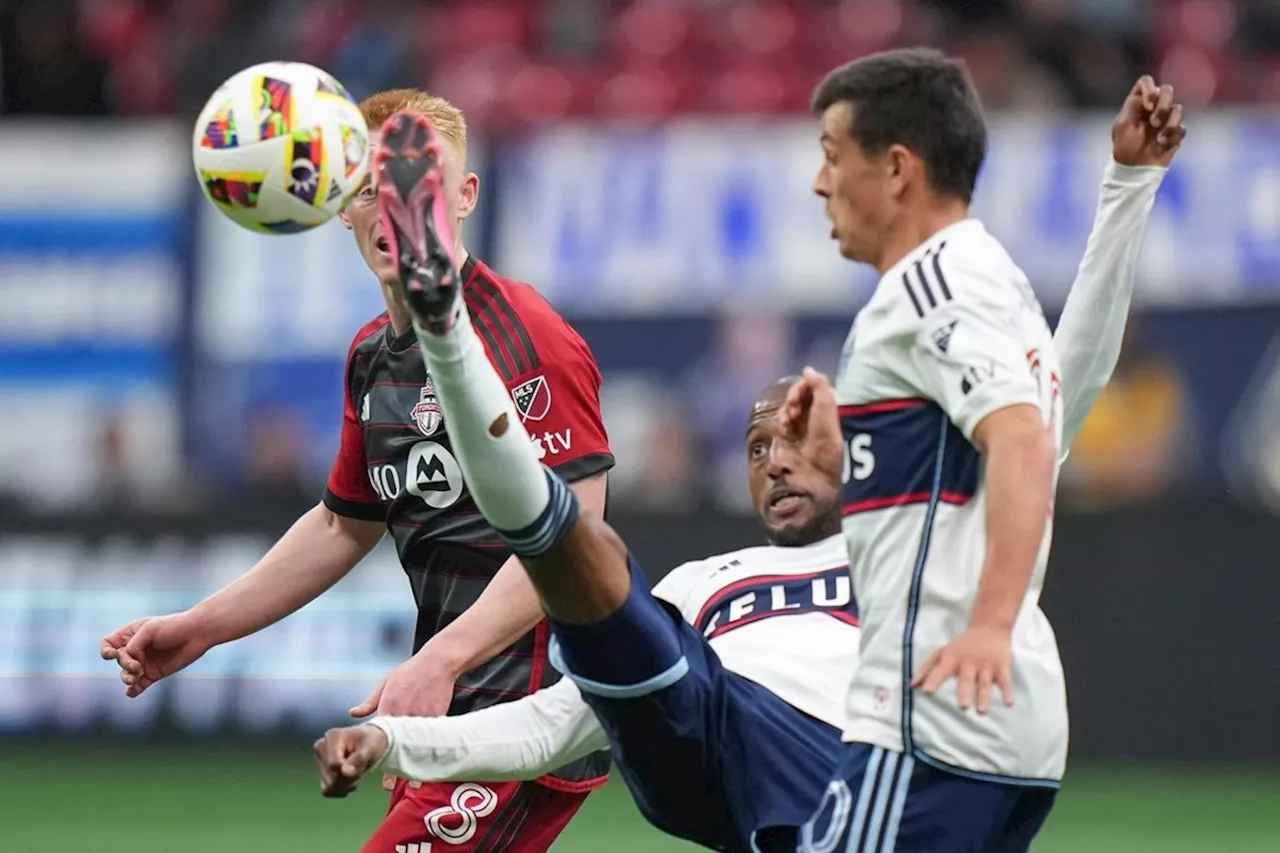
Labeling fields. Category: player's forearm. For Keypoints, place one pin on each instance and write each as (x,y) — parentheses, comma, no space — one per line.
(507,609)
(1091,328)
(512,741)
(1019,483)
(316,552)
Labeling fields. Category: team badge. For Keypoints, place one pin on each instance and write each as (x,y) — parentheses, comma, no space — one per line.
(532,398)
(427,414)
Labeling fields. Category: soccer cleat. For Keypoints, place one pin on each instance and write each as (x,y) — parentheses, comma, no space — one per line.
(409,169)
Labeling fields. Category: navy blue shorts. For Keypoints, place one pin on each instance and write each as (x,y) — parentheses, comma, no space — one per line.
(708,755)
(885,802)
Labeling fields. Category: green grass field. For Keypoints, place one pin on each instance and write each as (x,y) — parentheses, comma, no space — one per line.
(60,796)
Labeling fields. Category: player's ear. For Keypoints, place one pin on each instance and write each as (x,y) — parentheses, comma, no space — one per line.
(345,219)
(468,194)
(899,165)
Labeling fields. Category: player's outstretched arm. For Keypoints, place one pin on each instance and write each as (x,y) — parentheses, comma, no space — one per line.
(316,552)
(517,740)
(513,741)
(1145,136)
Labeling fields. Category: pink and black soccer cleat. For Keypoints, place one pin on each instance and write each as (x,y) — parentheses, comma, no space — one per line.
(409,169)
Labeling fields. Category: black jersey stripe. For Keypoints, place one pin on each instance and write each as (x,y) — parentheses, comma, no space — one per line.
(485,319)
(937,271)
(527,353)
(492,314)
(906,283)
(924,285)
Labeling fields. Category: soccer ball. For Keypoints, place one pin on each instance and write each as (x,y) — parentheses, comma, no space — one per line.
(280,147)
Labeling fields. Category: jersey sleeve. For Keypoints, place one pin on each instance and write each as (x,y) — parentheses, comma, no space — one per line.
(968,349)
(558,401)
(1091,329)
(674,587)
(349,492)
(518,740)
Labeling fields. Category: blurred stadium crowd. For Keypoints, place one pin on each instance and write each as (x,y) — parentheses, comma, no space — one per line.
(676,385)
(537,61)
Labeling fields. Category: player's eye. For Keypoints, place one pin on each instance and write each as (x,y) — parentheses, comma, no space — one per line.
(758,450)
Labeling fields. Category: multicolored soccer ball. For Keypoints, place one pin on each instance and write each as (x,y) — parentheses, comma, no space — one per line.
(280,147)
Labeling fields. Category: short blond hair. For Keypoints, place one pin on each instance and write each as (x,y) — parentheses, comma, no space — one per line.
(447,119)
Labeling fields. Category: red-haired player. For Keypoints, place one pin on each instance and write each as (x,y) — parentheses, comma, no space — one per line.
(396,471)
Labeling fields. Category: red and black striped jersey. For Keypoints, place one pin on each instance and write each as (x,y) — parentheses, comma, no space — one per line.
(396,464)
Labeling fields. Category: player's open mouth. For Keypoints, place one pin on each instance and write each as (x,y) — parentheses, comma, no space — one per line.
(383,246)
(785,501)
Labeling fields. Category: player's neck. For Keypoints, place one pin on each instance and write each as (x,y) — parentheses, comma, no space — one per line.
(918,226)
(393,296)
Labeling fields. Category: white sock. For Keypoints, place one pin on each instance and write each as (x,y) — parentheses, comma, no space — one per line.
(501,470)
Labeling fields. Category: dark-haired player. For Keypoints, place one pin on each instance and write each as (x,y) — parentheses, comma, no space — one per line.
(695,745)
(946,426)
(396,470)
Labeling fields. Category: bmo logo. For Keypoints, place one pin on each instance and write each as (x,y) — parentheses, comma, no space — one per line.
(430,473)
(859,460)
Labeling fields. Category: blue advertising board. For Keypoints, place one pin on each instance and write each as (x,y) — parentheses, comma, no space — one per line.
(680,219)
(93,231)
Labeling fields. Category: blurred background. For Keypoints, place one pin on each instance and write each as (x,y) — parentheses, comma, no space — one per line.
(170,386)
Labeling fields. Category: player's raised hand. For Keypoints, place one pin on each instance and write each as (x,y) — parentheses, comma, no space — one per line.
(977,659)
(810,418)
(344,755)
(150,649)
(1149,129)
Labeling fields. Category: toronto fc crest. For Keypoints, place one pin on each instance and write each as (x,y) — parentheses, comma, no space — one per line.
(427,414)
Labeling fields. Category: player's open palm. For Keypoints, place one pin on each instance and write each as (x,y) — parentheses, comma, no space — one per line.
(978,659)
(1149,129)
(150,649)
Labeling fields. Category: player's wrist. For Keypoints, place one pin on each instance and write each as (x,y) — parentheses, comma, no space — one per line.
(1134,173)
(442,658)
(993,619)
(381,734)
(200,627)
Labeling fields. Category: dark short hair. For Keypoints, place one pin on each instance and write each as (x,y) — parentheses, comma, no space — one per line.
(918,98)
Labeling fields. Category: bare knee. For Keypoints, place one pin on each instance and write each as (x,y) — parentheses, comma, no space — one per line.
(587,577)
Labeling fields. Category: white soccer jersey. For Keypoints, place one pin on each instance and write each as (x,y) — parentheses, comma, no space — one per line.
(951,334)
(735,601)
(783,617)
(807,657)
